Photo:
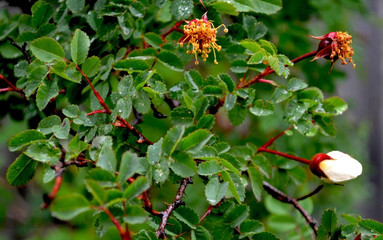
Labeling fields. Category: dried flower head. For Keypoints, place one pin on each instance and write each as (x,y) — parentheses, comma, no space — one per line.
(334,46)
(201,36)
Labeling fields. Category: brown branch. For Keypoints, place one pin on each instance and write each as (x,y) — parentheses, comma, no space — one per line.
(160,233)
(275,193)
(22,49)
(140,136)
(316,190)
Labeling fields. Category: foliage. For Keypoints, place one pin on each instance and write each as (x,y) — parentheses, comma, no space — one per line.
(120,120)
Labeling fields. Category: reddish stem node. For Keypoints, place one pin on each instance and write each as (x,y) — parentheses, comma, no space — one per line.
(292,157)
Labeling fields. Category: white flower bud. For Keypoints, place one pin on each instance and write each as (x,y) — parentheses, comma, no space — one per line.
(340,168)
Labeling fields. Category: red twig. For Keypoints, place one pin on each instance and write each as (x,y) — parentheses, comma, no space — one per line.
(13,87)
(124,233)
(275,193)
(271,141)
(141,137)
(268,70)
(208,211)
(6,89)
(292,157)
(97,111)
(160,233)
(174,28)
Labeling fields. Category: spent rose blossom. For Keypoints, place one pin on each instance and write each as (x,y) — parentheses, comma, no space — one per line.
(335,167)
(200,34)
(334,46)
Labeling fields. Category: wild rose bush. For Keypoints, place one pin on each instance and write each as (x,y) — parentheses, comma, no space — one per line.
(135,136)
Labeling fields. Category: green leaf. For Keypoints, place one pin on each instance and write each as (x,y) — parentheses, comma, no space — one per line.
(79,46)
(141,102)
(196,138)
(35,78)
(329,220)
(252,45)
(75,5)
(123,108)
(281,223)
(215,191)
(44,151)
(230,166)
(181,9)
(62,131)
(21,170)
(24,138)
(128,166)
(228,81)
(296,84)
(208,168)
(41,13)
(235,186)
(280,94)
(45,125)
(225,7)
(131,64)
(256,182)
(98,193)
(250,227)
(155,152)
(373,225)
(200,233)
(311,93)
(76,146)
(183,164)
(265,236)
(171,60)
(206,121)
(47,91)
(153,39)
(259,6)
(187,215)
(47,49)
(212,91)
(140,185)
(71,111)
(326,125)
(182,116)
(171,140)
(107,159)
(135,215)
(100,175)
(194,78)
(237,215)
(336,104)
(261,108)
(91,66)
(145,235)
(69,206)
(237,115)
(230,101)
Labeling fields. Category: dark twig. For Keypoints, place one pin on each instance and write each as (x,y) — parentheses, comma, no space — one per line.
(316,190)
(22,49)
(172,103)
(160,233)
(275,193)
(156,113)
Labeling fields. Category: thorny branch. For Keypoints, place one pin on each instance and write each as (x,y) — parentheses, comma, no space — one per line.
(275,193)
(160,233)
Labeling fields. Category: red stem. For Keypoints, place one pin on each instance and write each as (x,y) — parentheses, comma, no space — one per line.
(6,89)
(141,138)
(125,235)
(298,159)
(268,70)
(96,111)
(208,211)
(271,141)
(174,28)
(10,84)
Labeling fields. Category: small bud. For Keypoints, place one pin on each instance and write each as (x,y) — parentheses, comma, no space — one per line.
(335,167)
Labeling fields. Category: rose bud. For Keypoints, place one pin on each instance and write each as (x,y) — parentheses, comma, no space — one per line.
(334,46)
(335,167)
(200,34)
